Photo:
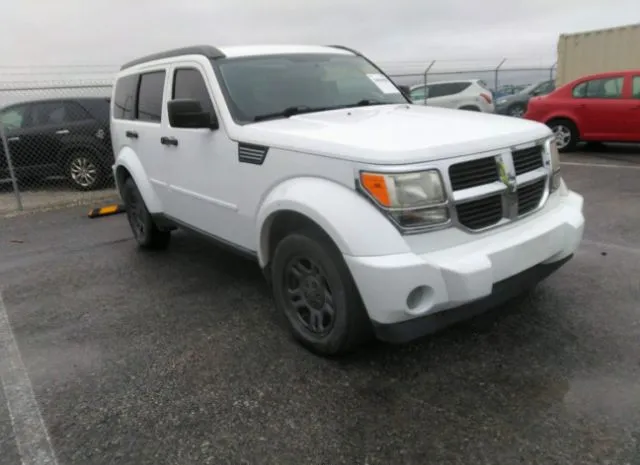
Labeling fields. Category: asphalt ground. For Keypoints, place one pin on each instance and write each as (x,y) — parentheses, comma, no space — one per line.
(180,358)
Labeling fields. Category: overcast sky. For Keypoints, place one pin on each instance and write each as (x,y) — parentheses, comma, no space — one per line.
(109,32)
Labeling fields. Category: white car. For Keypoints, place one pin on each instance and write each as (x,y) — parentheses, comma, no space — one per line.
(472,95)
(368,215)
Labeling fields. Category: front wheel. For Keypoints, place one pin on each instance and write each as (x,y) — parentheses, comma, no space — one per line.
(313,288)
(142,225)
(517,110)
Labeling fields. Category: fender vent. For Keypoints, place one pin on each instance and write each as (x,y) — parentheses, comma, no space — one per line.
(250,153)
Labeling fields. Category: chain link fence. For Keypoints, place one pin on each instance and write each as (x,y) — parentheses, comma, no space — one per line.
(502,77)
(56,145)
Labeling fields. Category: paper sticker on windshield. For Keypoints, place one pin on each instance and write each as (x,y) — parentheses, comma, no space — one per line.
(385,86)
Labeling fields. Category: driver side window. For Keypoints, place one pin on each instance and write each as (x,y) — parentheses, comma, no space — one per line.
(188,83)
(599,88)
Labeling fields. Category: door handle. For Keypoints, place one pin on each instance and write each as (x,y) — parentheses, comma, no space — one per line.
(13,139)
(131,134)
(169,141)
(62,132)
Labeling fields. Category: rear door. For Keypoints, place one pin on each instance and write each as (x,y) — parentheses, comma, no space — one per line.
(601,109)
(442,95)
(634,109)
(54,125)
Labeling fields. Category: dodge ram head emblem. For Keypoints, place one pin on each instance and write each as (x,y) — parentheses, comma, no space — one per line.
(507,178)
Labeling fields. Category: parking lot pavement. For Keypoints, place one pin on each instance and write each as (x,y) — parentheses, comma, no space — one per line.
(179,357)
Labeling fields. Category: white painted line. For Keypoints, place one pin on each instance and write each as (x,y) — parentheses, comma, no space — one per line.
(600,165)
(32,438)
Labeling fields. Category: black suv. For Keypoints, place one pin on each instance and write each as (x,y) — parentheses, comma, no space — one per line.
(68,137)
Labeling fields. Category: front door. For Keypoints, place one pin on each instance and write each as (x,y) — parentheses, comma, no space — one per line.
(202,164)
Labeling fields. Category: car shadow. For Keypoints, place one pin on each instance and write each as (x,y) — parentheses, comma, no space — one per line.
(242,272)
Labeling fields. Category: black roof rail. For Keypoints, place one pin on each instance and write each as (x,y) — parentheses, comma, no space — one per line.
(207,51)
(342,47)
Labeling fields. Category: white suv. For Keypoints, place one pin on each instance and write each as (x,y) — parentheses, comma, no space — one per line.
(472,95)
(368,215)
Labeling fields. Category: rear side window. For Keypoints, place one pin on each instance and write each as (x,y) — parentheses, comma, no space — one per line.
(124,102)
(97,108)
(50,113)
(150,96)
(74,112)
(449,88)
(188,83)
(599,88)
(635,89)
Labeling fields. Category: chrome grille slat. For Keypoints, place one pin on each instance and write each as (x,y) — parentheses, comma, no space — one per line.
(528,159)
(478,214)
(482,199)
(473,173)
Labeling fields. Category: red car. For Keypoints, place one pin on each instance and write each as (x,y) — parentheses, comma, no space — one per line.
(602,107)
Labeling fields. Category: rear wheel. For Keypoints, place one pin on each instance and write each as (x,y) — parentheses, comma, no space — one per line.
(313,288)
(144,229)
(84,171)
(566,134)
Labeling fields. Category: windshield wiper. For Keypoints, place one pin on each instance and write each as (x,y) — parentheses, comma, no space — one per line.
(367,102)
(301,109)
(289,111)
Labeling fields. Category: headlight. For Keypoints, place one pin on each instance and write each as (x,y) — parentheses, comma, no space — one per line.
(554,158)
(413,200)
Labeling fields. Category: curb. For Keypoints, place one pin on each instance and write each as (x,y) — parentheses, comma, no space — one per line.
(106,211)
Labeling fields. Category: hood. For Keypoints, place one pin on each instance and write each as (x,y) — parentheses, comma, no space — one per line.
(518,97)
(393,134)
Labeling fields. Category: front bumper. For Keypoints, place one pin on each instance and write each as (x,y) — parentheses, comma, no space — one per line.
(503,291)
(476,271)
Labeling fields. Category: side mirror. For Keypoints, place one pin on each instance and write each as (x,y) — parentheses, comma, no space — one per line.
(188,113)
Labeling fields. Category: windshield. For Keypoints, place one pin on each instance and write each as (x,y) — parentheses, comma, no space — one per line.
(531,87)
(278,86)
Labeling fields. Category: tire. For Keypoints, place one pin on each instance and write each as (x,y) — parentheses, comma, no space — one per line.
(566,132)
(145,231)
(315,291)
(470,108)
(516,110)
(84,171)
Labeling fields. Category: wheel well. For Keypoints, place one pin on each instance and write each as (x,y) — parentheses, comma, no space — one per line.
(122,174)
(68,152)
(279,225)
(65,156)
(563,118)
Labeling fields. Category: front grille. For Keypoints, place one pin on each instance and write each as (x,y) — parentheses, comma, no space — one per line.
(473,173)
(526,160)
(529,196)
(481,213)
